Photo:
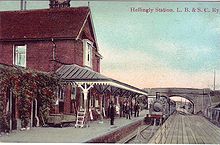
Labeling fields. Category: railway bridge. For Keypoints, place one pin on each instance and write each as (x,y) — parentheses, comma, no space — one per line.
(200,98)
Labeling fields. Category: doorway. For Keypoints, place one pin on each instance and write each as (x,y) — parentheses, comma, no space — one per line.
(11,109)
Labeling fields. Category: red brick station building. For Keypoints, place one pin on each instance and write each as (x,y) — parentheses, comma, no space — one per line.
(62,40)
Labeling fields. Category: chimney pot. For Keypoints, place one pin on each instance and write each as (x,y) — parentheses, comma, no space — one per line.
(59,3)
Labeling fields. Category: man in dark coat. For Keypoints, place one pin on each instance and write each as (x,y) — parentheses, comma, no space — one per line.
(128,111)
(112,113)
(121,109)
(136,109)
(131,109)
(124,109)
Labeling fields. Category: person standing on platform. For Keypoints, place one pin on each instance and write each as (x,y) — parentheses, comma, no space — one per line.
(124,109)
(112,113)
(138,109)
(121,109)
(135,110)
(131,109)
(128,109)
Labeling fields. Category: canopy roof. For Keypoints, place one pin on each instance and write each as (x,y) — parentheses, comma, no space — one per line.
(82,75)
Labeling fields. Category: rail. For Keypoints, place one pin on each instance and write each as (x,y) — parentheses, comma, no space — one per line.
(134,134)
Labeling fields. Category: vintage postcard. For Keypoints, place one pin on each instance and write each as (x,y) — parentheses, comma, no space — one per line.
(128,72)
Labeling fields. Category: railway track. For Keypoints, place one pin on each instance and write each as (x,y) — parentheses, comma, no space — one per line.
(145,132)
(141,135)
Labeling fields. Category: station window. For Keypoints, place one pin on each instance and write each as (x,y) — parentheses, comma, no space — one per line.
(20,55)
(61,94)
(87,50)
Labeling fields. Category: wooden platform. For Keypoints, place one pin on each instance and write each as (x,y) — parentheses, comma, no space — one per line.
(187,129)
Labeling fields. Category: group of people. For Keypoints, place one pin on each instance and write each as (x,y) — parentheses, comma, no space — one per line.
(126,110)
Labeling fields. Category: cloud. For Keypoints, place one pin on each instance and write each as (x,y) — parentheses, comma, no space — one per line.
(128,58)
(186,57)
(142,70)
(174,47)
(167,47)
(214,25)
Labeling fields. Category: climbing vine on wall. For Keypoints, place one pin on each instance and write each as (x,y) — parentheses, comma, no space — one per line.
(26,85)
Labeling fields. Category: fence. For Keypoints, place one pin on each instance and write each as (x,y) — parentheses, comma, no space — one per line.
(162,133)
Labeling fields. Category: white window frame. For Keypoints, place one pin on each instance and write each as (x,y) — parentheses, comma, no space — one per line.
(86,51)
(14,55)
(61,94)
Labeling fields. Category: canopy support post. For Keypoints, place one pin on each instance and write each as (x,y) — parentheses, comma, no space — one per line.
(85,90)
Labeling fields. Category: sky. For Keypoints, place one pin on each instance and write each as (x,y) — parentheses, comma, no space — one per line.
(150,50)
(180,99)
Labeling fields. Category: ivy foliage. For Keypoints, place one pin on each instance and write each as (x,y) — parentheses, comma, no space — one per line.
(26,85)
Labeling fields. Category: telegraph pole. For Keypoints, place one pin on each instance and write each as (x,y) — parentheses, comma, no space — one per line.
(214,81)
(203,101)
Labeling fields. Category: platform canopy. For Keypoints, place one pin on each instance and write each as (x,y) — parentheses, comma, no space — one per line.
(80,76)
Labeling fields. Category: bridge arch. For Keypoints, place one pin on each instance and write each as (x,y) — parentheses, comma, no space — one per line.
(183,96)
(188,98)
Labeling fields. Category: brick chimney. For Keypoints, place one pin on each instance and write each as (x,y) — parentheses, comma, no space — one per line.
(59,3)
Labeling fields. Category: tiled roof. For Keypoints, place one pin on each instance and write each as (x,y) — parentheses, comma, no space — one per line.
(45,23)
(76,72)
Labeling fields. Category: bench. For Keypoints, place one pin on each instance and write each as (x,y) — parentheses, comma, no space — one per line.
(60,119)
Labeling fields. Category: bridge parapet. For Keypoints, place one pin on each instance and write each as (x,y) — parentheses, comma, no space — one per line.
(152,91)
(200,98)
